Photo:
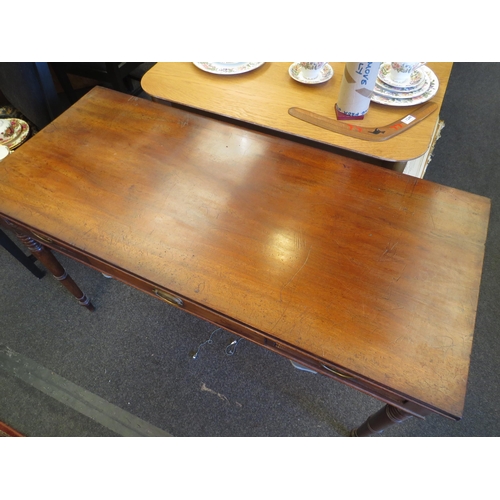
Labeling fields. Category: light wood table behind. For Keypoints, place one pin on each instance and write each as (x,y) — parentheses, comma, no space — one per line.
(263,96)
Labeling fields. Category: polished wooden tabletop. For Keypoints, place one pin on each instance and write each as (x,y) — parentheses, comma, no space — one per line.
(263,96)
(355,265)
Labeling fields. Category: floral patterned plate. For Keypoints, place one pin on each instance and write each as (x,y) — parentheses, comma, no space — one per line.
(385,92)
(15,133)
(228,68)
(428,94)
(385,75)
(325,74)
(9,128)
(11,132)
(380,83)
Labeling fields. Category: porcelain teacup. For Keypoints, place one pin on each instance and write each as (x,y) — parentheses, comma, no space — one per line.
(402,71)
(310,70)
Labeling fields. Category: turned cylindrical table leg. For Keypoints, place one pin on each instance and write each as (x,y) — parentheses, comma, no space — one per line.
(378,422)
(45,256)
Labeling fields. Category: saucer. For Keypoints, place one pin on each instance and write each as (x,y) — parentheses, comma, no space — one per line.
(385,75)
(324,75)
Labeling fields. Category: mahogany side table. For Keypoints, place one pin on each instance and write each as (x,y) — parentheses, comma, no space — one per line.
(365,275)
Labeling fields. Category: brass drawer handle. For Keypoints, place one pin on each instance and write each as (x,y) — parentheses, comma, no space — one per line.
(336,373)
(170,299)
(42,238)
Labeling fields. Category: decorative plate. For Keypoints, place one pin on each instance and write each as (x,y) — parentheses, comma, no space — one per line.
(228,68)
(380,83)
(324,75)
(428,94)
(385,75)
(385,92)
(15,133)
(8,128)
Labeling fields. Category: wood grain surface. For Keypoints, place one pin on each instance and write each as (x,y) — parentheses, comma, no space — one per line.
(370,269)
(263,97)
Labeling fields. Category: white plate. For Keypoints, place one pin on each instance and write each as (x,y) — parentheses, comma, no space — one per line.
(394,93)
(228,68)
(385,75)
(427,95)
(295,71)
(380,83)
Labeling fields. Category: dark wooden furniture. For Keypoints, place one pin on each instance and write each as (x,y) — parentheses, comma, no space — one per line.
(119,75)
(27,261)
(365,275)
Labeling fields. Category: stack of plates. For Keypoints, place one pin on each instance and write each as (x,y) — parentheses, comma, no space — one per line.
(13,132)
(228,68)
(421,87)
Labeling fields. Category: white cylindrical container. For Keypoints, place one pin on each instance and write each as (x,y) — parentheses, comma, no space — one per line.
(356,88)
